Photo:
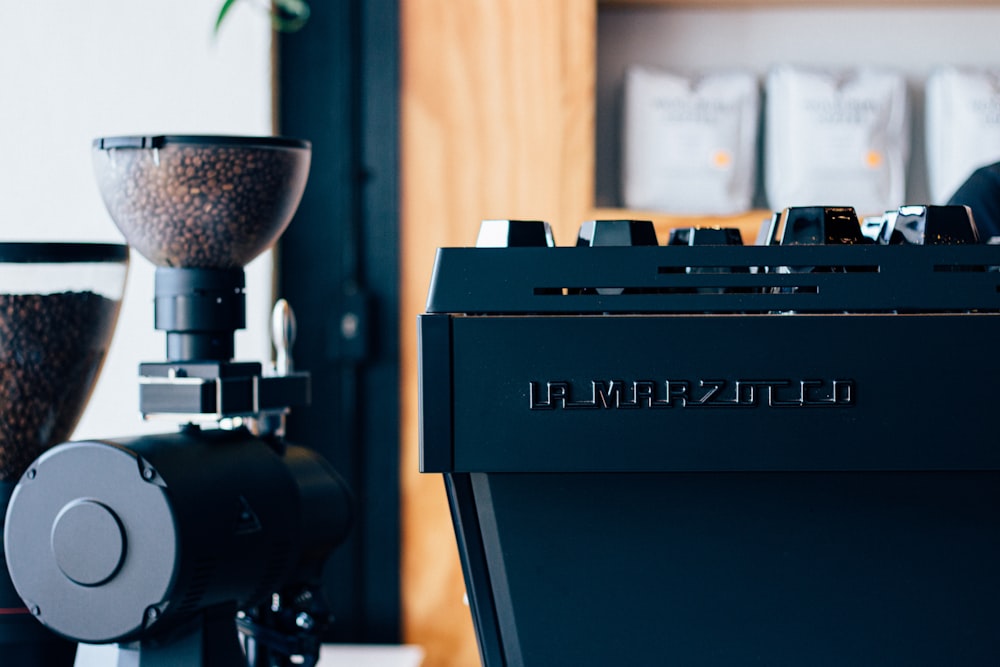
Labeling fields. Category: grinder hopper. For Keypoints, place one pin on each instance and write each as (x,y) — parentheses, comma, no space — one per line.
(200,208)
(210,202)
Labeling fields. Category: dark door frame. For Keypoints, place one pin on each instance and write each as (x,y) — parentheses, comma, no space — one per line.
(337,86)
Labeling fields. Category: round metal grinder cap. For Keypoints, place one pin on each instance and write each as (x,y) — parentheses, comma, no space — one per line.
(91,544)
(97,526)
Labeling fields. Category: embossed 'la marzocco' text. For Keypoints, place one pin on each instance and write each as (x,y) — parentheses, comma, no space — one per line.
(667,394)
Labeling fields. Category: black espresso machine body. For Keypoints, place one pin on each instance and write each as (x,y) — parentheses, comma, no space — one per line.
(720,455)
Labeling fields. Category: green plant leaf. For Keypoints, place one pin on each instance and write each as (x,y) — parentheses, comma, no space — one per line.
(223,11)
(286,15)
(289,15)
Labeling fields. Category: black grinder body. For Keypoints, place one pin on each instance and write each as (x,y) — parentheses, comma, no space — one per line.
(117,540)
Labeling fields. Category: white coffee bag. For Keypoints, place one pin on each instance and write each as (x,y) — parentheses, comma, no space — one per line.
(962,126)
(835,138)
(689,142)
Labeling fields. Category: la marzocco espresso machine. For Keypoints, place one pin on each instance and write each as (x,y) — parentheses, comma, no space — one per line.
(165,544)
(698,453)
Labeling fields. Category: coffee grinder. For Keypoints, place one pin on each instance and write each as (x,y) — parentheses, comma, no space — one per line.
(58,306)
(165,544)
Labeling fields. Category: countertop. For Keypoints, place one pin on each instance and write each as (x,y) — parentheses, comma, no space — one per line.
(354,655)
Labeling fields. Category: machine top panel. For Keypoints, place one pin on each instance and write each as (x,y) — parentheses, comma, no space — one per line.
(717,279)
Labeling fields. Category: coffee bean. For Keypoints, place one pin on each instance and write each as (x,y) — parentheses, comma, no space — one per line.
(51,350)
(202,205)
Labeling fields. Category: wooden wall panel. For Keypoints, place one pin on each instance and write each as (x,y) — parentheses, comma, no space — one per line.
(497,118)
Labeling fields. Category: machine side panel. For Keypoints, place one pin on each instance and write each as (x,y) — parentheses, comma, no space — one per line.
(469,534)
(435,397)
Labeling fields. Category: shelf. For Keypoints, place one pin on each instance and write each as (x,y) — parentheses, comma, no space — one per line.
(748,223)
(794,3)
(755,36)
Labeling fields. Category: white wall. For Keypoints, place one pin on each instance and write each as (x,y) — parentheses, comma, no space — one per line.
(72,70)
(910,38)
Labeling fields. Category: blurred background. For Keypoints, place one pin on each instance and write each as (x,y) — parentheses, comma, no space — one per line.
(426,116)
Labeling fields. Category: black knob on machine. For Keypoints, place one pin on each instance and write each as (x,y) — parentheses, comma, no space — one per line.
(514,234)
(929,225)
(702,236)
(617,233)
(818,225)
(609,233)
(715,236)
(680,236)
(821,225)
(767,233)
(705,236)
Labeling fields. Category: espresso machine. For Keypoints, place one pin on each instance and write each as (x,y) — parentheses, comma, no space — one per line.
(701,452)
(203,545)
